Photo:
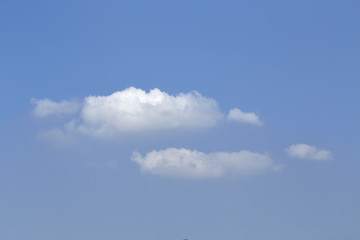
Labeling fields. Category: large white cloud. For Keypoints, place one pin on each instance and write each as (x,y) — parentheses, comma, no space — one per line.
(185,163)
(305,151)
(237,115)
(136,110)
(47,107)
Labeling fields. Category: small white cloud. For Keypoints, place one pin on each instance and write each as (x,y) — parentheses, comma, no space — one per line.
(305,151)
(46,107)
(236,114)
(184,163)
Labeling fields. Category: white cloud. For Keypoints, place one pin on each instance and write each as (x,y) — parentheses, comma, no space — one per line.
(305,151)
(46,107)
(136,110)
(184,163)
(236,114)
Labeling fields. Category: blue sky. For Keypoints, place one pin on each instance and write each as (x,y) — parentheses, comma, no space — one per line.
(283,165)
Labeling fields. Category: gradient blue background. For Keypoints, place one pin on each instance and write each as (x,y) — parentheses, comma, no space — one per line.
(296,63)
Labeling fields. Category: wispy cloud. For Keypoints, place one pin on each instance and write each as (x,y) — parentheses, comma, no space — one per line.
(185,163)
(237,115)
(47,107)
(305,151)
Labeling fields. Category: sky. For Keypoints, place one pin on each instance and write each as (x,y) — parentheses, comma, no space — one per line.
(168,120)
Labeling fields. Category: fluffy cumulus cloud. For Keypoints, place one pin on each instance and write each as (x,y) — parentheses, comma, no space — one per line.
(237,115)
(185,163)
(305,151)
(136,110)
(47,107)
(133,110)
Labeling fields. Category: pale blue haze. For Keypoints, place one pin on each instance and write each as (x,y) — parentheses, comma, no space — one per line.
(295,63)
